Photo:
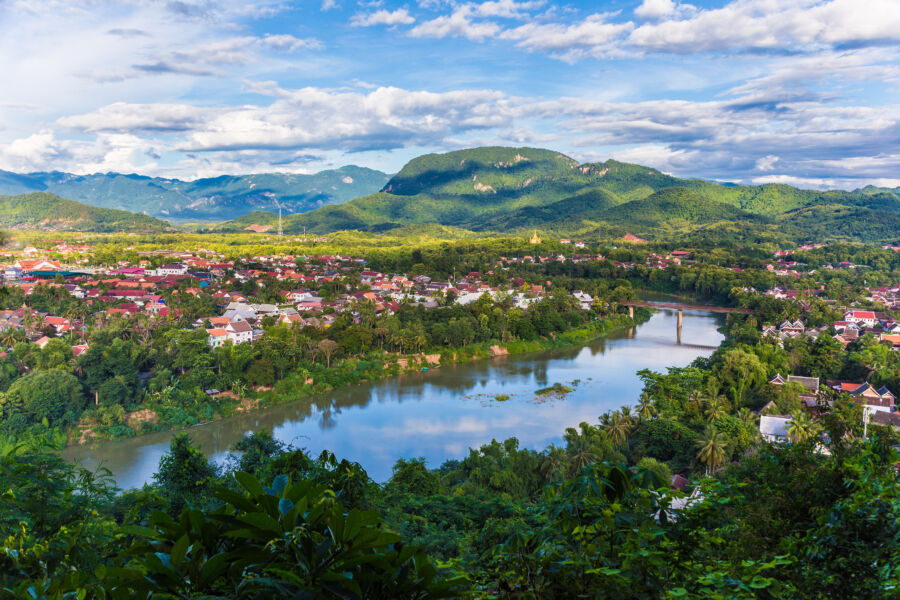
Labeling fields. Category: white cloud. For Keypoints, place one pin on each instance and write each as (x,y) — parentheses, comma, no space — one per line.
(122,116)
(653,9)
(766,163)
(288,43)
(507,9)
(328,5)
(765,25)
(727,139)
(400,16)
(457,24)
(592,36)
(739,26)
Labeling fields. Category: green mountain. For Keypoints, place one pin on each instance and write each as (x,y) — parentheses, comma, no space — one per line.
(217,198)
(496,189)
(40,210)
(671,209)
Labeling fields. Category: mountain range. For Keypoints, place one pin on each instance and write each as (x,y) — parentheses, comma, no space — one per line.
(497,189)
(483,190)
(213,199)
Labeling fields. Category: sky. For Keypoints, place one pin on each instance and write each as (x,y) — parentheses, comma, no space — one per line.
(802,92)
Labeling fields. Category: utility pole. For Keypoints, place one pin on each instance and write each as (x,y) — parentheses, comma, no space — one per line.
(280,230)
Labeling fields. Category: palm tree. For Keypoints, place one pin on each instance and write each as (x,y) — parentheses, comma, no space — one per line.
(555,464)
(580,453)
(715,408)
(419,339)
(747,416)
(646,410)
(619,428)
(802,427)
(382,332)
(712,446)
(10,336)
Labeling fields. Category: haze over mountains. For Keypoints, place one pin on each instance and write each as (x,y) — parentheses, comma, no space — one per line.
(488,189)
(213,199)
(495,189)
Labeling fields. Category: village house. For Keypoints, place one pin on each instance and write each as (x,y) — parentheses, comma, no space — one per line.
(877,400)
(584,300)
(774,428)
(865,318)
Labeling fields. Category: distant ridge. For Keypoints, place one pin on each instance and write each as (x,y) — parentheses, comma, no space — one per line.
(216,198)
(43,211)
(514,190)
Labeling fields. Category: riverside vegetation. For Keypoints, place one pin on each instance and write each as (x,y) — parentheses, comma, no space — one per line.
(592,517)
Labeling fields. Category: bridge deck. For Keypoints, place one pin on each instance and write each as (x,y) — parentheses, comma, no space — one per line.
(680,306)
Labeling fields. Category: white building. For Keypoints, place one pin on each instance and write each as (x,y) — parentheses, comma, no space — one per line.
(773,428)
(585,300)
(862,317)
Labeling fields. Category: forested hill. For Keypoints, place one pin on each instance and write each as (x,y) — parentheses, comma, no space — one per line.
(41,210)
(217,198)
(516,189)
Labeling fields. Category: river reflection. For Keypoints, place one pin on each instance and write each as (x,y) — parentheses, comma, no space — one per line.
(441,413)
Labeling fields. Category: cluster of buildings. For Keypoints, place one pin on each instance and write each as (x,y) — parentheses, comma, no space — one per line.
(879,404)
(150,285)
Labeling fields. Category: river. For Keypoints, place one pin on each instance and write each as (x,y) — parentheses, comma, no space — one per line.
(440,413)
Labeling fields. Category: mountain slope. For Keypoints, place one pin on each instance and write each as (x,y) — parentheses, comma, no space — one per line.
(217,198)
(673,209)
(40,210)
(497,189)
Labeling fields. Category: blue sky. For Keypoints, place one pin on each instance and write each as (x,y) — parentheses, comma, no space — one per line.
(753,91)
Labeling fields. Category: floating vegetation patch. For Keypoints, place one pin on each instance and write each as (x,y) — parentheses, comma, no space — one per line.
(557,391)
(556,388)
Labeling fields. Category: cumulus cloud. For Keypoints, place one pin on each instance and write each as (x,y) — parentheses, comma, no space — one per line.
(288,43)
(400,16)
(807,93)
(459,23)
(507,9)
(724,139)
(652,9)
(739,26)
(124,117)
(765,25)
(592,36)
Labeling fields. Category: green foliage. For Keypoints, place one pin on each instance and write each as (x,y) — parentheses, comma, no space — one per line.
(41,209)
(518,189)
(50,397)
(185,475)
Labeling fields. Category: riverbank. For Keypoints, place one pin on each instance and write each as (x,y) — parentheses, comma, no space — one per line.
(440,413)
(306,384)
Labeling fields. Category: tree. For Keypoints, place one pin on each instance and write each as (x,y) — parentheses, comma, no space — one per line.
(184,475)
(619,427)
(555,464)
(715,408)
(712,444)
(740,371)
(10,336)
(646,409)
(802,427)
(327,348)
(52,395)
(583,446)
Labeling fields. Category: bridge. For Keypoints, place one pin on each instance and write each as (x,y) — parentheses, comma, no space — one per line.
(682,307)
